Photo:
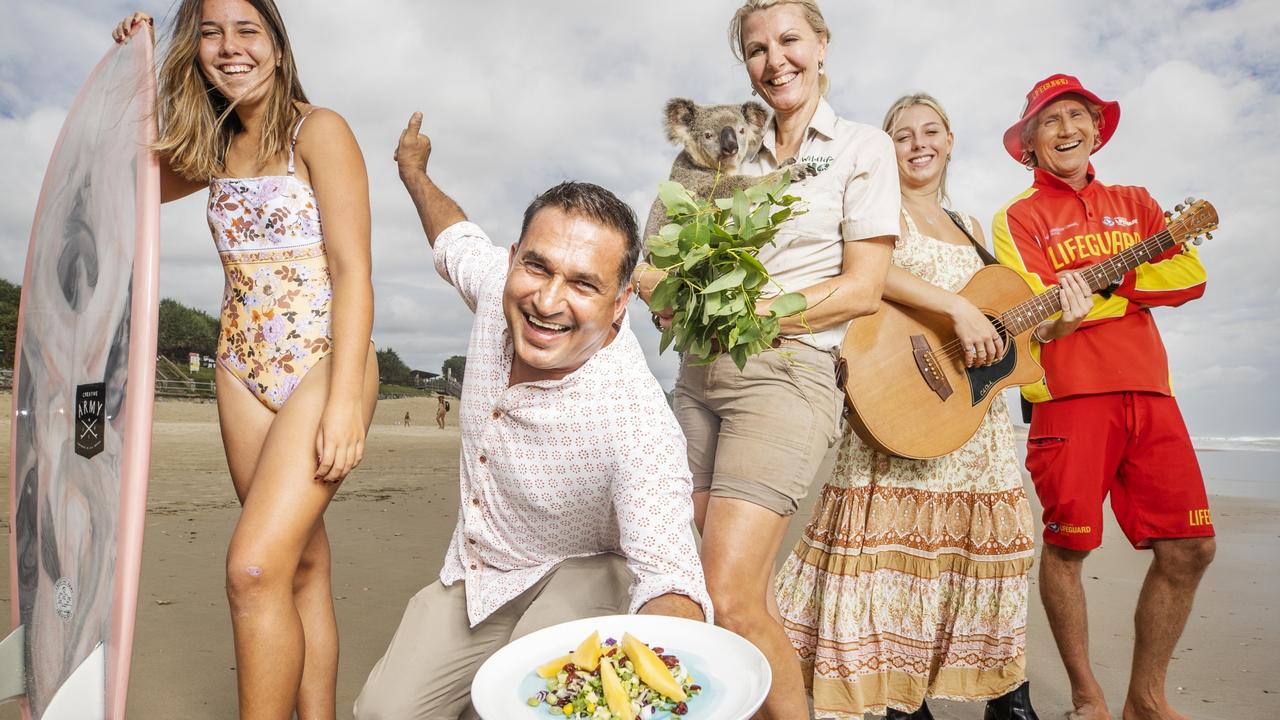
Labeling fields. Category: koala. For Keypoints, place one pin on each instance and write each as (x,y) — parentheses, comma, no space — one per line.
(715,138)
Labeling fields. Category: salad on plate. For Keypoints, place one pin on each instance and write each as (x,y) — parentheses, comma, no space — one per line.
(614,680)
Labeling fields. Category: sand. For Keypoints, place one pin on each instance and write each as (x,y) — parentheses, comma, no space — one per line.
(391,523)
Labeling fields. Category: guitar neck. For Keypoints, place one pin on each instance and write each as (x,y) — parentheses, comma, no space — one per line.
(1026,315)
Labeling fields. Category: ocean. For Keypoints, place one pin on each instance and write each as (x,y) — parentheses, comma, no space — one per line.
(1241,467)
(1247,467)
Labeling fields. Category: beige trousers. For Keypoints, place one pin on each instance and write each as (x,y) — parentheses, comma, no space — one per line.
(427,670)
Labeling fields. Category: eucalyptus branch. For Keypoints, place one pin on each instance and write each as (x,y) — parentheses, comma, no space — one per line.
(713,277)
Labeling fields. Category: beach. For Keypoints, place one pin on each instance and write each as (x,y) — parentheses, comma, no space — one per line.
(391,522)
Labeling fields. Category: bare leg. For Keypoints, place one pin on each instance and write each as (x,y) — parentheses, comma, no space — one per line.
(313,596)
(700,500)
(1062,593)
(279,524)
(1163,607)
(739,543)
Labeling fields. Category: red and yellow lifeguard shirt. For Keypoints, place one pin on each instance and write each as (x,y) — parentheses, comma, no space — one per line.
(1051,228)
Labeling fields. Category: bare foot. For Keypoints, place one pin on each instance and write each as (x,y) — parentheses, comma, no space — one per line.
(1092,710)
(1161,711)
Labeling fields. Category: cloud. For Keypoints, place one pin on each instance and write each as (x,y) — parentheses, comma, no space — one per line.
(518,96)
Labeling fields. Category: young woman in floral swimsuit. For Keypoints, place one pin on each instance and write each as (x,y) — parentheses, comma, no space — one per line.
(297,374)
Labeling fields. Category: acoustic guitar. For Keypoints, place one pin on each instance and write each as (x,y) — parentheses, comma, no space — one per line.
(907,388)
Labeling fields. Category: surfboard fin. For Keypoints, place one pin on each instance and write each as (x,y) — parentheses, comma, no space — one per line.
(83,694)
(13,675)
(79,698)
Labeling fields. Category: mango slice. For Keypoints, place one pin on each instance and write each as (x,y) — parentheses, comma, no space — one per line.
(615,696)
(587,656)
(651,669)
(550,669)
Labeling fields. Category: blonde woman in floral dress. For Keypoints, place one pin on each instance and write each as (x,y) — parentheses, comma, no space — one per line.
(911,578)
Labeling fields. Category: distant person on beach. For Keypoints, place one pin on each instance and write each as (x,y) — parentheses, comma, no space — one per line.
(573,480)
(297,376)
(1104,419)
(442,409)
(407,420)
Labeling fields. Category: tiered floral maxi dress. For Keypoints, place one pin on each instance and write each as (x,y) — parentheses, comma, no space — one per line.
(911,577)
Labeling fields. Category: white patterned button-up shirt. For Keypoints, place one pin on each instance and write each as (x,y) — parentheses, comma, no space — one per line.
(550,470)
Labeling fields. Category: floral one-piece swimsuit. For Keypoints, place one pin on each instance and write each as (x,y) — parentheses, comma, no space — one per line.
(275,305)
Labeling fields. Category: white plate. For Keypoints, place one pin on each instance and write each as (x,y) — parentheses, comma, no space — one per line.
(733,674)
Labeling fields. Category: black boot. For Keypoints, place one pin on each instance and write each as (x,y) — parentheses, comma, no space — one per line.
(921,714)
(1013,705)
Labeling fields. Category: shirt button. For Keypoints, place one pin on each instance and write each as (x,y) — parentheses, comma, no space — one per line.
(470,541)
(475,501)
(497,414)
(483,459)
(473,566)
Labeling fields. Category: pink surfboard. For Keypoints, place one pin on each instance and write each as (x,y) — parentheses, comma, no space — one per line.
(82,399)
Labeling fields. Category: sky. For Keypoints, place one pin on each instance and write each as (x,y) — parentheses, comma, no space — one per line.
(518,96)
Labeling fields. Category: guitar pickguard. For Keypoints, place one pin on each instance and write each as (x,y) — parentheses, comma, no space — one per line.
(982,379)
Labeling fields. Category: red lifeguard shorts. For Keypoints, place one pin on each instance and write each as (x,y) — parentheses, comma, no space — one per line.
(1132,445)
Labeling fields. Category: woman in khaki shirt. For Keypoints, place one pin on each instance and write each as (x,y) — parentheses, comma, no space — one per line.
(756,436)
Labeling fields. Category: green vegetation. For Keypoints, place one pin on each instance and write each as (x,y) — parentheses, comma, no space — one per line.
(10,295)
(392,370)
(185,330)
(714,280)
(455,367)
(392,389)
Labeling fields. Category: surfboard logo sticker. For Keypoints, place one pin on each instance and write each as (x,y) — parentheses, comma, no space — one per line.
(64,599)
(90,431)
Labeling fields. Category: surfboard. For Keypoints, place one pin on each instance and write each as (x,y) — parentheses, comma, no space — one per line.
(82,399)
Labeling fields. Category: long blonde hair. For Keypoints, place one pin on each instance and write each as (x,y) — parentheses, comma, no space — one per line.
(812,14)
(196,122)
(927,100)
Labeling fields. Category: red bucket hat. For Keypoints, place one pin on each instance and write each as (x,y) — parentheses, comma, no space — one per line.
(1050,89)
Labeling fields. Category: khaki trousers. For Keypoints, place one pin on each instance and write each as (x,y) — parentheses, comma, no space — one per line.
(759,434)
(427,670)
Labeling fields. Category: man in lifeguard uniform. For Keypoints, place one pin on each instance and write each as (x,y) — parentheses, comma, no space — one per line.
(1105,420)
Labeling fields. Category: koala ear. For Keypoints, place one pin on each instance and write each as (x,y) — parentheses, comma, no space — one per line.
(679,118)
(755,113)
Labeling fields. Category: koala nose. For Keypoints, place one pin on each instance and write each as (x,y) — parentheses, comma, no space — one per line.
(728,142)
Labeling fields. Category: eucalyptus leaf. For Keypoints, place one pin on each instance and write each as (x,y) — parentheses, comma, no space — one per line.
(788,304)
(740,207)
(661,247)
(676,198)
(697,254)
(664,293)
(730,279)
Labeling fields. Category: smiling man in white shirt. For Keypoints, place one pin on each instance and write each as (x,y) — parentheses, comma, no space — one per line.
(574,481)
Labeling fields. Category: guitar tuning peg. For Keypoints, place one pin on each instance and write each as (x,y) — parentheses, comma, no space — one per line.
(1179,207)
(1197,241)
(1190,200)
(1208,236)
(1168,215)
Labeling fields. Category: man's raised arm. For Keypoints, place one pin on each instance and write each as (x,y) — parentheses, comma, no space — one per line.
(436,210)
